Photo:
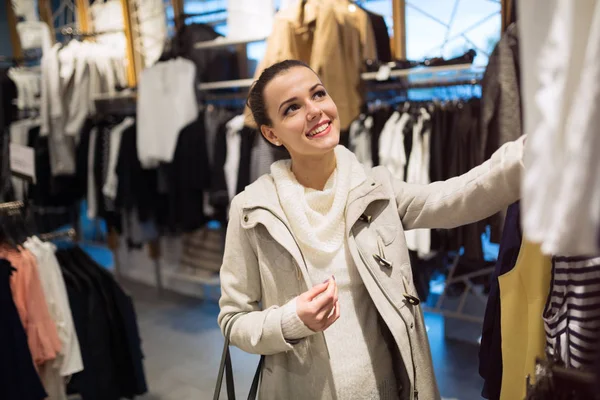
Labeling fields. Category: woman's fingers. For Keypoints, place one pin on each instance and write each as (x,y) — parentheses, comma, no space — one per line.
(327,299)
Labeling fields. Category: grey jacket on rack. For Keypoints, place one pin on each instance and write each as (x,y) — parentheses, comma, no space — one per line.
(264,268)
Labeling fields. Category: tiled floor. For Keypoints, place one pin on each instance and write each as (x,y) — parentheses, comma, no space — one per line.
(182,344)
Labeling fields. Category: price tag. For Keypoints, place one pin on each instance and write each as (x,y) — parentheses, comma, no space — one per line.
(383,74)
(22,161)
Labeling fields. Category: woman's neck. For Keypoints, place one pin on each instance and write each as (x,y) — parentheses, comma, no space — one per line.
(313,172)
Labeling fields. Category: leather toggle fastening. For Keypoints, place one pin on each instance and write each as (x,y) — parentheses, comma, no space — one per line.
(366,218)
(382,261)
(411,299)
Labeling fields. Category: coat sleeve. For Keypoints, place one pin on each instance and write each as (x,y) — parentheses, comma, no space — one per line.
(465,199)
(255,331)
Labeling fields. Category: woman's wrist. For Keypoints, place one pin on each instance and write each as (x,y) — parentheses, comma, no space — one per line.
(292,326)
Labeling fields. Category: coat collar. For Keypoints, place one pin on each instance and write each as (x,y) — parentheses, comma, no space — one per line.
(263,194)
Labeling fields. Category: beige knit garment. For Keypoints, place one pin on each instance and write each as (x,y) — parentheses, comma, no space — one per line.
(360,359)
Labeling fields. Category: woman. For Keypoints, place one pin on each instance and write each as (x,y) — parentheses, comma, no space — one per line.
(316,268)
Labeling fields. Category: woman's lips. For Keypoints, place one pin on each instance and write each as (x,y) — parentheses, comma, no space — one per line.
(321,134)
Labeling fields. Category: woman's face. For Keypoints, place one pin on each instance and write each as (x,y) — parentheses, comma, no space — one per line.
(304,118)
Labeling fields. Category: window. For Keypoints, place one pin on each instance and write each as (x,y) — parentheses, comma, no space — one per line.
(448,28)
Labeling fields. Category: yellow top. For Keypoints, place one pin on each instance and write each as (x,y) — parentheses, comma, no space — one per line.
(523,294)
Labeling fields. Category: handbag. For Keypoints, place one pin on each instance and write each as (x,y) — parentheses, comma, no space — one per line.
(226,369)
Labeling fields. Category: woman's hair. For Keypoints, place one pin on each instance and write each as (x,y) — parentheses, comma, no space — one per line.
(256,96)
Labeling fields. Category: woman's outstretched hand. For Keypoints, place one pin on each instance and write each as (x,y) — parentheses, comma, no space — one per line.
(319,308)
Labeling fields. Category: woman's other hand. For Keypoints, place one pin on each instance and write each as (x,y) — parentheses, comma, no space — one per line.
(318,308)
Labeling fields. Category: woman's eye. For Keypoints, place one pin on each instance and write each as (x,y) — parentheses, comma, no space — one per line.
(290,109)
(319,94)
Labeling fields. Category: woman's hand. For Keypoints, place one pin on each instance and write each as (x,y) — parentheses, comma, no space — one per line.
(318,308)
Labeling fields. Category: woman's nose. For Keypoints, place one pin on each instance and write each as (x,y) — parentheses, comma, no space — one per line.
(313,111)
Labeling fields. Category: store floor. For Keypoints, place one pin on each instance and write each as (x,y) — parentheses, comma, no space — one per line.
(182,345)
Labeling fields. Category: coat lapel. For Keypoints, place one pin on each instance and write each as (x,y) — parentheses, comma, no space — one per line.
(262,207)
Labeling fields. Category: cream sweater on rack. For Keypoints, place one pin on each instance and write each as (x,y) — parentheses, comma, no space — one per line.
(360,359)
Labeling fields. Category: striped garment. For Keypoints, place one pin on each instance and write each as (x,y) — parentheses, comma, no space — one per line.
(572,312)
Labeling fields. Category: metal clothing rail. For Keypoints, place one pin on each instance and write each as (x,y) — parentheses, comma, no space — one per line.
(213,44)
(457,70)
(233,84)
(413,72)
(395,85)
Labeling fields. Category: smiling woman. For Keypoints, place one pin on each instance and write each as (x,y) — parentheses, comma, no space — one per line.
(316,273)
(292,108)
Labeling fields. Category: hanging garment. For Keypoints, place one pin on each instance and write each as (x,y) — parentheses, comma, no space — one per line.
(61,148)
(419,240)
(8,112)
(249,19)
(382,36)
(188,178)
(153,30)
(264,154)
(92,202)
(166,104)
(29,298)
(248,137)
(490,350)
(360,140)
(219,194)
(380,117)
(107,330)
(69,361)
(561,186)
(138,187)
(392,154)
(334,40)
(500,95)
(112,180)
(214,118)
(232,161)
(18,377)
(523,293)
(571,315)
(19,134)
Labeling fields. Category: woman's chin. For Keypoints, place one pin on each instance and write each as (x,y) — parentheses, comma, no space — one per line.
(328,142)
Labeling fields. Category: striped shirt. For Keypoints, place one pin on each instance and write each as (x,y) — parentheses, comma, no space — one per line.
(572,312)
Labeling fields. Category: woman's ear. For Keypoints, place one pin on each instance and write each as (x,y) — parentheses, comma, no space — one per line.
(269,134)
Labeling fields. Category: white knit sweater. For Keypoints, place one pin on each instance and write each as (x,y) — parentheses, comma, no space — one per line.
(359,356)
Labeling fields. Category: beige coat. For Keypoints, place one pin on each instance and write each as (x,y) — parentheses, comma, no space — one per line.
(263,269)
(333,41)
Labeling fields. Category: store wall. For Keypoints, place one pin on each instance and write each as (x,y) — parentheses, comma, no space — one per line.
(5,45)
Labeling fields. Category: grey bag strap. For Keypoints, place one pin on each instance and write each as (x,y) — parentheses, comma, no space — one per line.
(226,368)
